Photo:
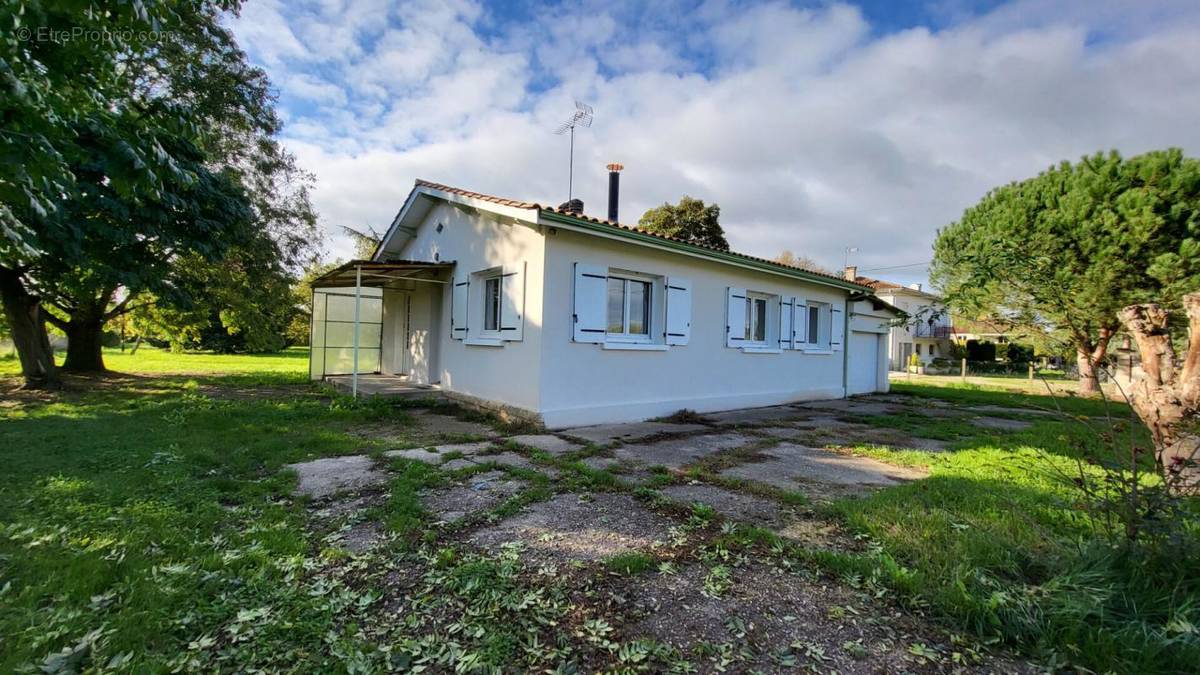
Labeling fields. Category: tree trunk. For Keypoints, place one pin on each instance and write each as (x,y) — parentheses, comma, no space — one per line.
(28,324)
(1089,382)
(85,331)
(1167,397)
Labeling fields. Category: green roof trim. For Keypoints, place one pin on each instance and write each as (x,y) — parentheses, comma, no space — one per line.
(719,256)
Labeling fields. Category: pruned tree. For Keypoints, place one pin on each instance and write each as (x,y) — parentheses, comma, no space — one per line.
(1063,252)
(690,220)
(1167,395)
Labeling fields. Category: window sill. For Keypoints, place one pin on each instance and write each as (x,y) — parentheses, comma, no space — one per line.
(761,350)
(634,346)
(818,352)
(484,342)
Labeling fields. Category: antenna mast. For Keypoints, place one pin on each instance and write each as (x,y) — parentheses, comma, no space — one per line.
(581,117)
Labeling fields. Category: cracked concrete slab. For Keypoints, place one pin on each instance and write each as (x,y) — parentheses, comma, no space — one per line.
(730,504)
(600,463)
(547,443)
(437,454)
(437,423)
(852,406)
(1000,423)
(604,434)
(1012,411)
(752,416)
(478,493)
(674,453)
(514,460)
(790,466)
(331,475)
(578,527)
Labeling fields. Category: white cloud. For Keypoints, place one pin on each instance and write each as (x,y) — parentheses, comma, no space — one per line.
(812,131)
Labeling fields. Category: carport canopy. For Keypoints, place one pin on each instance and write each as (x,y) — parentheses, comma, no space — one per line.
(346,328)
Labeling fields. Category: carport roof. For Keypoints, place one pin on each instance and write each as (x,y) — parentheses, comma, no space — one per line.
(379,273)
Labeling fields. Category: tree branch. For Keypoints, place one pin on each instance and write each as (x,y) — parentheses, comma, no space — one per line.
(1148,324)
(119,309)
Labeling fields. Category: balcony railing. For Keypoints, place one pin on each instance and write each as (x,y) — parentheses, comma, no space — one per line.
(924,330)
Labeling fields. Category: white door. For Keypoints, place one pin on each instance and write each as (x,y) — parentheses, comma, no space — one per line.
(863,367)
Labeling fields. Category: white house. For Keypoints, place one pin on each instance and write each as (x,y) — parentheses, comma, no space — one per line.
(928,335)
(571,320)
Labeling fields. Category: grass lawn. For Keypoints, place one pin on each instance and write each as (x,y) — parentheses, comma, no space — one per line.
(147,526)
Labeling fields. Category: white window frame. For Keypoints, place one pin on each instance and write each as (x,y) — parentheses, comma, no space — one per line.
(483,278)
(752,298)
(625,336)
(824,314)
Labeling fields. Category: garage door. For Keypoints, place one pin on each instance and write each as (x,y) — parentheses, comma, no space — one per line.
(864,362)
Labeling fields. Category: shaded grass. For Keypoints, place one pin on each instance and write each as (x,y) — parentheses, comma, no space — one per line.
(996,539)
(158,520)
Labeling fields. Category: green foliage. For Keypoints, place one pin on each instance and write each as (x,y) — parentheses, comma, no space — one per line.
(689,220)
(981,350)
(154,169)
(1015,352)
(997,539)
(1066,250)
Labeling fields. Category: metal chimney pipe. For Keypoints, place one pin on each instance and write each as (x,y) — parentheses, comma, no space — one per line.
(614,190)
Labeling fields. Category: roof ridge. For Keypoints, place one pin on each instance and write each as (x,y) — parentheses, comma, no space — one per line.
(504,201)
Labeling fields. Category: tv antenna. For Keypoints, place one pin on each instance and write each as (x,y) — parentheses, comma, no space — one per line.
(582,117)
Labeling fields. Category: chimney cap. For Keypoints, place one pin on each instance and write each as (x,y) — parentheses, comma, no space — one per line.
(615,167)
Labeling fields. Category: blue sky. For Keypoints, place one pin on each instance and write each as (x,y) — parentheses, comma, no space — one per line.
(815,126)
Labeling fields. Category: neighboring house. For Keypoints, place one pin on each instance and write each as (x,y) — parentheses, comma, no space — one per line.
(928,335)
(570,320)
(983,330)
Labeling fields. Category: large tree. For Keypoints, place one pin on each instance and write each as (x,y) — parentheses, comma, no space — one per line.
(1065,251)
(690,220)
(170,163)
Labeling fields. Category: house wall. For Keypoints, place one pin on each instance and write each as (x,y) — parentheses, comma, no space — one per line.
(899,335)
(476,241)
(586,384)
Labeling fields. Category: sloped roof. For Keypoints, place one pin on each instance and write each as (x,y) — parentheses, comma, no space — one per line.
(515,203)
(877,284)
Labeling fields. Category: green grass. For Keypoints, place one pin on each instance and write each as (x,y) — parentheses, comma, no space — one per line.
(289,366)
(995,538)
(148,525)
(631,563)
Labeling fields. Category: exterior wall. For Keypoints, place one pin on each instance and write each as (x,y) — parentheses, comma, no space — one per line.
(900,335)
(587,384)
(477,240)
(864,318)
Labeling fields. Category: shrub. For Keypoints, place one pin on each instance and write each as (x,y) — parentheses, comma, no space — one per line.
(981,351)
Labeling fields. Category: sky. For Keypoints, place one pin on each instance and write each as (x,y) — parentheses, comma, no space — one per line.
(817,127)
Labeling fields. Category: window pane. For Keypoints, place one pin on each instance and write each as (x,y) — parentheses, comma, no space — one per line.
(491,304)
(814,323)
(639,308)
(760,320)
(616,305)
